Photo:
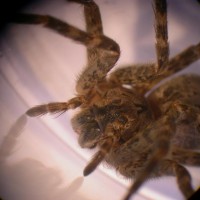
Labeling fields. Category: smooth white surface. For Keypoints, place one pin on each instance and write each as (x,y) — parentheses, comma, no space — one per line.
(38,66)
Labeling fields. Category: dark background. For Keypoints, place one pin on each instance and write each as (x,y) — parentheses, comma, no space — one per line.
(9,7)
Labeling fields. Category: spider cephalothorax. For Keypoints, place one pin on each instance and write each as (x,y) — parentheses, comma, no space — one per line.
(114,106)
(140,135)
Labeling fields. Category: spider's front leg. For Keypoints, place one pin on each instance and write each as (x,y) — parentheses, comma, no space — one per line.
(101,59)
(144,76)
(102,51)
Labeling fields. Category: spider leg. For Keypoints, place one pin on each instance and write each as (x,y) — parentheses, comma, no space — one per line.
(169,167)
(100,60)
(183,59)
(56,107)
(65,30)
(103,52)
(186,157)
(54,24)
(163,132)
(145,76)
(162,45)
(92,16)
(93,25)
(105,147)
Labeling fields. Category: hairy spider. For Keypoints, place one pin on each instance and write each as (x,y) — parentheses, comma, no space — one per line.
(141,136)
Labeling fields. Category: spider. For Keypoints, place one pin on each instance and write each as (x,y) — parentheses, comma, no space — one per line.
(142,133)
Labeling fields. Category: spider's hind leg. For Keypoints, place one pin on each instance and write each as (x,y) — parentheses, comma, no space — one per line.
(186,157)
(161,133)
(172,168)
